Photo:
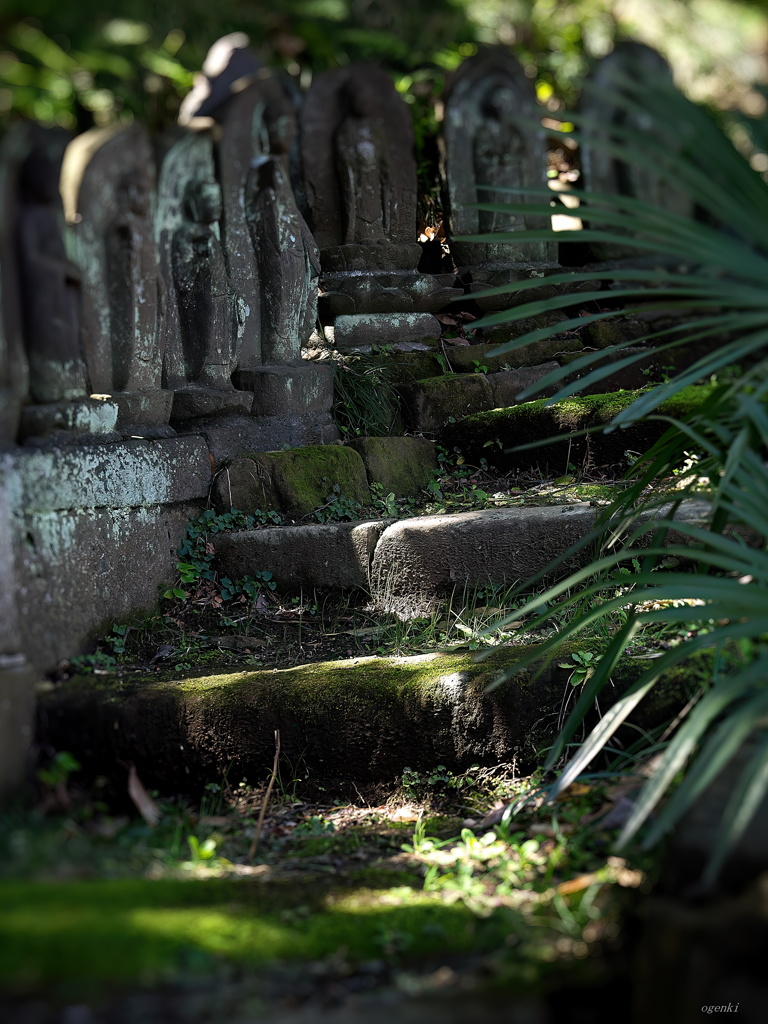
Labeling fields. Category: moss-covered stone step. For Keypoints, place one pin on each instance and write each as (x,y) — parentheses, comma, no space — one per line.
(492,435)
(362,720)
(299,481)
(431,403)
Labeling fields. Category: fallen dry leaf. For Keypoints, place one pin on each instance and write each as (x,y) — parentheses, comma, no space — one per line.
(577,884)
(239,643)
(145,805)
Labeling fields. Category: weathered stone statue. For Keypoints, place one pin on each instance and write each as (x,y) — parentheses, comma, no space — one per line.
(50,285)
(14,377)
(108,179)
(602,109)
(491,141)
(41,359)
(360,178)
(206,314)
(286,254)
(203,318)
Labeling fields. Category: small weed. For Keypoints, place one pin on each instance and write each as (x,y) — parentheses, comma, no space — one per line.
(338,507)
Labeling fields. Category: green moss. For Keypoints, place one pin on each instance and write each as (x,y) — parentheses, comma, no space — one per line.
(88,934)
(403,466)
(492,434)
(302,478)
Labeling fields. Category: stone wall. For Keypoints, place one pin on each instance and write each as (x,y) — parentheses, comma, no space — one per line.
(159,299)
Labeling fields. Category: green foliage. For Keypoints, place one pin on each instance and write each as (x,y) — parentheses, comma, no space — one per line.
(196,554)
(338,507)
(697,265)
(58,771)
(417,784)
(365,402)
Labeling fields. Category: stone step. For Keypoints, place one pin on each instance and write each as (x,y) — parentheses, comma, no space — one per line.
(493,435)
(362,719)
(410,564)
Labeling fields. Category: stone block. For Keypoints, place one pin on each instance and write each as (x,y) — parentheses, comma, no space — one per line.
(79,570)
(431,403)
(363,331)
(227,436)
(277,390)
(402,465)
(293,482)
(419,560)
(543,351)
(406,367)
(129,474)
(393,292)
(192,402)
(83,417)
(508,384)
(316,555)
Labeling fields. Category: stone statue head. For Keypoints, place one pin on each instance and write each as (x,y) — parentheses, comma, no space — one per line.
(499,102)
(39,179)
(133,192)
(281,128)
(360,97)
(203,202)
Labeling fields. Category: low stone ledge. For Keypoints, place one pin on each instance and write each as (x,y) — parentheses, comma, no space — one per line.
(129,474)
(419,560)
(330,555)
(363,719)
(495,433)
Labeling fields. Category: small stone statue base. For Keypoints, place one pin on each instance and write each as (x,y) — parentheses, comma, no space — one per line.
(394,291)
(80,417)
(136,409)
(363,331)
(194,402)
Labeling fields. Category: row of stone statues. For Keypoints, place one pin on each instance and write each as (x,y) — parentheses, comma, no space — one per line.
(186,264)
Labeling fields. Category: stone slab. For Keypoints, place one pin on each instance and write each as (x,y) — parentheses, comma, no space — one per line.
(363,719)
(403,466)
(306,388)
(362,331)
(506,385)
(80,570)
(328,555)
(431,403)
(294,482)
(128,474)
(228,436)
(419,560)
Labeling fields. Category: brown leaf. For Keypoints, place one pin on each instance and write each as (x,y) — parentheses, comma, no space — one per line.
(145,805)
(577,884)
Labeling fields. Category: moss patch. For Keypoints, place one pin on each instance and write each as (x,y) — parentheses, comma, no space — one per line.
(403,466)
(85,934)
(363,719)
(294,482)
(492,434)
